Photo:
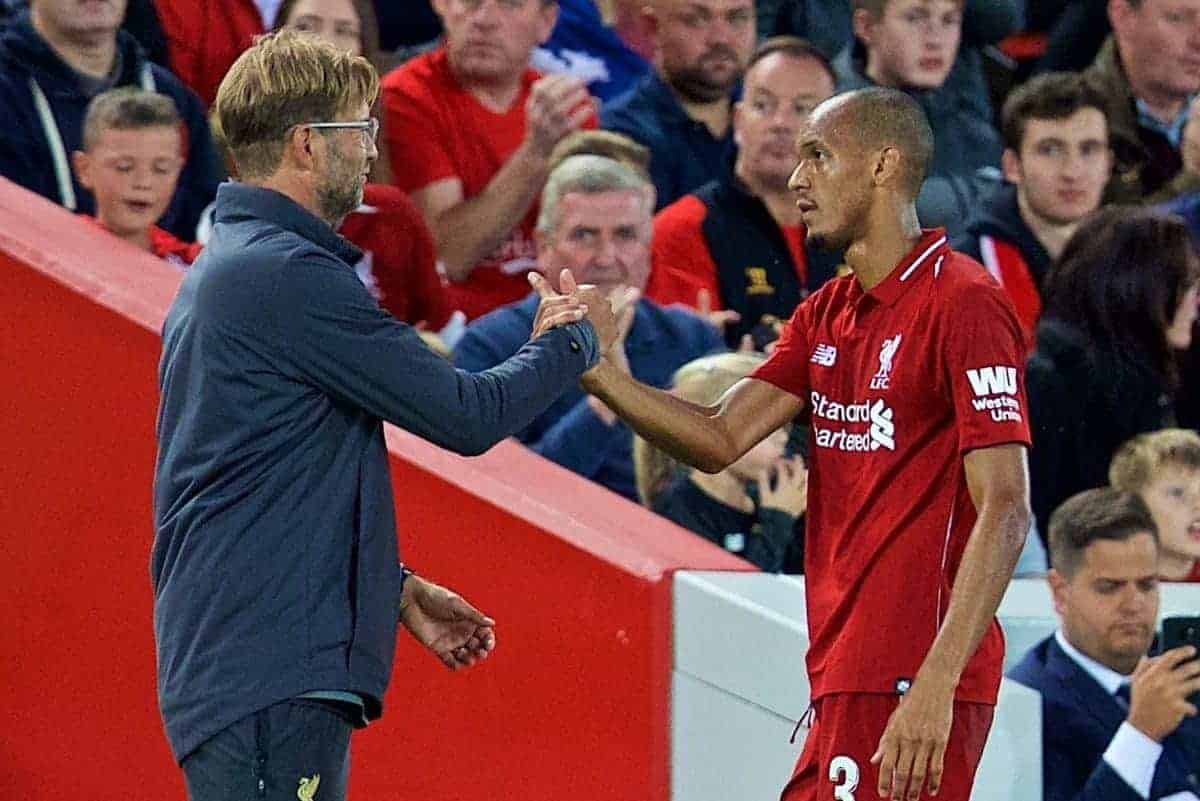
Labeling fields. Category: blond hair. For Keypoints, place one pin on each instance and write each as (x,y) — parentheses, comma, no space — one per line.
(127,109)
(701,381)
(1137,461)
(286,79)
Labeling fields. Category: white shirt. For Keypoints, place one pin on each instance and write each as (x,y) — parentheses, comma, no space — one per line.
(1131,754)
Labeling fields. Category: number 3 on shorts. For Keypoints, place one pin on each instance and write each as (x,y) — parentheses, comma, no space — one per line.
(843,772)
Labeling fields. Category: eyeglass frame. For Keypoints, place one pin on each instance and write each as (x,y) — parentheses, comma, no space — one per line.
(369,126)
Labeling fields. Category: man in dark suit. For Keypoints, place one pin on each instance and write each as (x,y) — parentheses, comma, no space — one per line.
(1116,723)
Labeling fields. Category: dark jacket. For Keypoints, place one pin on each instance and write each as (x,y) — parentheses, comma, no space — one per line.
(1083,403)
(660,341)
(1147,168)
(1079,719)
(684,155)
(35,150)
(966,143)
(275,566)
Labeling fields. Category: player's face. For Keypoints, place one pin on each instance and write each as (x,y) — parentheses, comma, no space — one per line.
(85,18)
(780,92)
(1063,166)
(132,175)
(491,40)
(1162,38)
(335,21)
(1179,334)
(913,44)
(831,182)
(603,238)
(1174,500)
(1109,607)
(348,157)
(704,45)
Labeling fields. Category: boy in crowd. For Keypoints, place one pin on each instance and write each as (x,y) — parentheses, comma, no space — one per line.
(130,161)
(1163,468)
(1056,163)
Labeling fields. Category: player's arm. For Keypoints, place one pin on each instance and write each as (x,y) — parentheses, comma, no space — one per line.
(709,438)
(998,480)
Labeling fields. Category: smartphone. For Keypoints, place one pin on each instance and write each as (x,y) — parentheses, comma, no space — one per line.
(1179,631)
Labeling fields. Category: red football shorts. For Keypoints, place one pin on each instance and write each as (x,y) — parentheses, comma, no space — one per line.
(836,762)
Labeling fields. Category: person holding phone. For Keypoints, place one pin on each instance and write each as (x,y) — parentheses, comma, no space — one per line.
(1117,724)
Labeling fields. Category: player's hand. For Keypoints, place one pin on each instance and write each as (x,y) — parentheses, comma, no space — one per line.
(790,492)
(557,105)
(913,746)
(456,632)
(553,310)
(1159,692)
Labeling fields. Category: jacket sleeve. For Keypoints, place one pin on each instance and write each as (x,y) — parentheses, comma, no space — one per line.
(1064,779)
(339,340)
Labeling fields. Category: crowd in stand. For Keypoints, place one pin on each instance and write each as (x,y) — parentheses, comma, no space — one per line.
(648,147)
(1060,183)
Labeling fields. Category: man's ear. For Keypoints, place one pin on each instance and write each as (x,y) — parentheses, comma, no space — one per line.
(864,26)
(547,17)
(1058,590)
(82,163)
(889,163)
(1010,163)
(299,149)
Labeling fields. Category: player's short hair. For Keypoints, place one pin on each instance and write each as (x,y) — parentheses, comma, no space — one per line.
(792,46)
(1050,96)
(285,79)
(1096,514)
(701,381)
(609,144)
(1138,460)
(127,109)
(876,7)
(880,117)
(590,175)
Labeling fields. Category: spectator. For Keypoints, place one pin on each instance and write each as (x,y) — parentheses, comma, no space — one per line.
(1116,725)
(131,157)
(615,146)
(738,240)
(683,110)
(1163,468)
(1118,303)
(205,37)
(912,45)
(585,44)
(470,128)
(1149,70)
(750,508)
(1075,32)
(1057,162)
(595,221)
(53,61)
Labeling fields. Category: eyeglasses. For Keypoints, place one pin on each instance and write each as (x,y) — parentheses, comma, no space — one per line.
(369,127)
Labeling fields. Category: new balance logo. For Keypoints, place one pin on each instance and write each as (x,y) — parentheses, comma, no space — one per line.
(824,355)
(996,380)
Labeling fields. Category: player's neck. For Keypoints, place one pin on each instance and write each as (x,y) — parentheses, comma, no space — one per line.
(725,488)
(890,235)
(1052,235)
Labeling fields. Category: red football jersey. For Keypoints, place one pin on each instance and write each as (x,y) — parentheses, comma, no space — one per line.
(900,382)
(436,129)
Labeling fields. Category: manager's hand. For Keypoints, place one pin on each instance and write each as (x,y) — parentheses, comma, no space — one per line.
(554,310)
(456,632)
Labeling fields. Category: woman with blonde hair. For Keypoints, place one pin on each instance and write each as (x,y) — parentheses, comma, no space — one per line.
(751,508)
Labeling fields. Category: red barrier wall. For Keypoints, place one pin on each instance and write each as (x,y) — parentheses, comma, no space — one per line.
(574,704)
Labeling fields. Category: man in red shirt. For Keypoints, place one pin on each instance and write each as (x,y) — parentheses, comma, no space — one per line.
(470,128)
(910,374)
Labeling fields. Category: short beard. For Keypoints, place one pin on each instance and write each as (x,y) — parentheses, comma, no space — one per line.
(696,85)
(337,198)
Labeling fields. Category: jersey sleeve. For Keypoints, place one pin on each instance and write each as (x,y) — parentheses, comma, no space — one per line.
(680,263)
(985,369)
(787,366)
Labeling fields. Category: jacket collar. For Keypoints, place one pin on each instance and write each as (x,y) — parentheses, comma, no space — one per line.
(1109,76)
(238,202)
(1076,682)
(1000,216)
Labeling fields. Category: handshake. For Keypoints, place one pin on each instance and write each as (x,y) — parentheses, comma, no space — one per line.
(611,316)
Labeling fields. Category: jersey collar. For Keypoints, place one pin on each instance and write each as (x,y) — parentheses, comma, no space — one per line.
(926,255)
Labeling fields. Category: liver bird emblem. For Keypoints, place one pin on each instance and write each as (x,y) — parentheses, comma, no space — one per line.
(307,790)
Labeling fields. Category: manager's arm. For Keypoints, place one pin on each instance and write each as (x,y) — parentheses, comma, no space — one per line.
(709,438)
(338,340)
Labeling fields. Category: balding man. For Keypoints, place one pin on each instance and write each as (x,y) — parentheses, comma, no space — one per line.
(910,369)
